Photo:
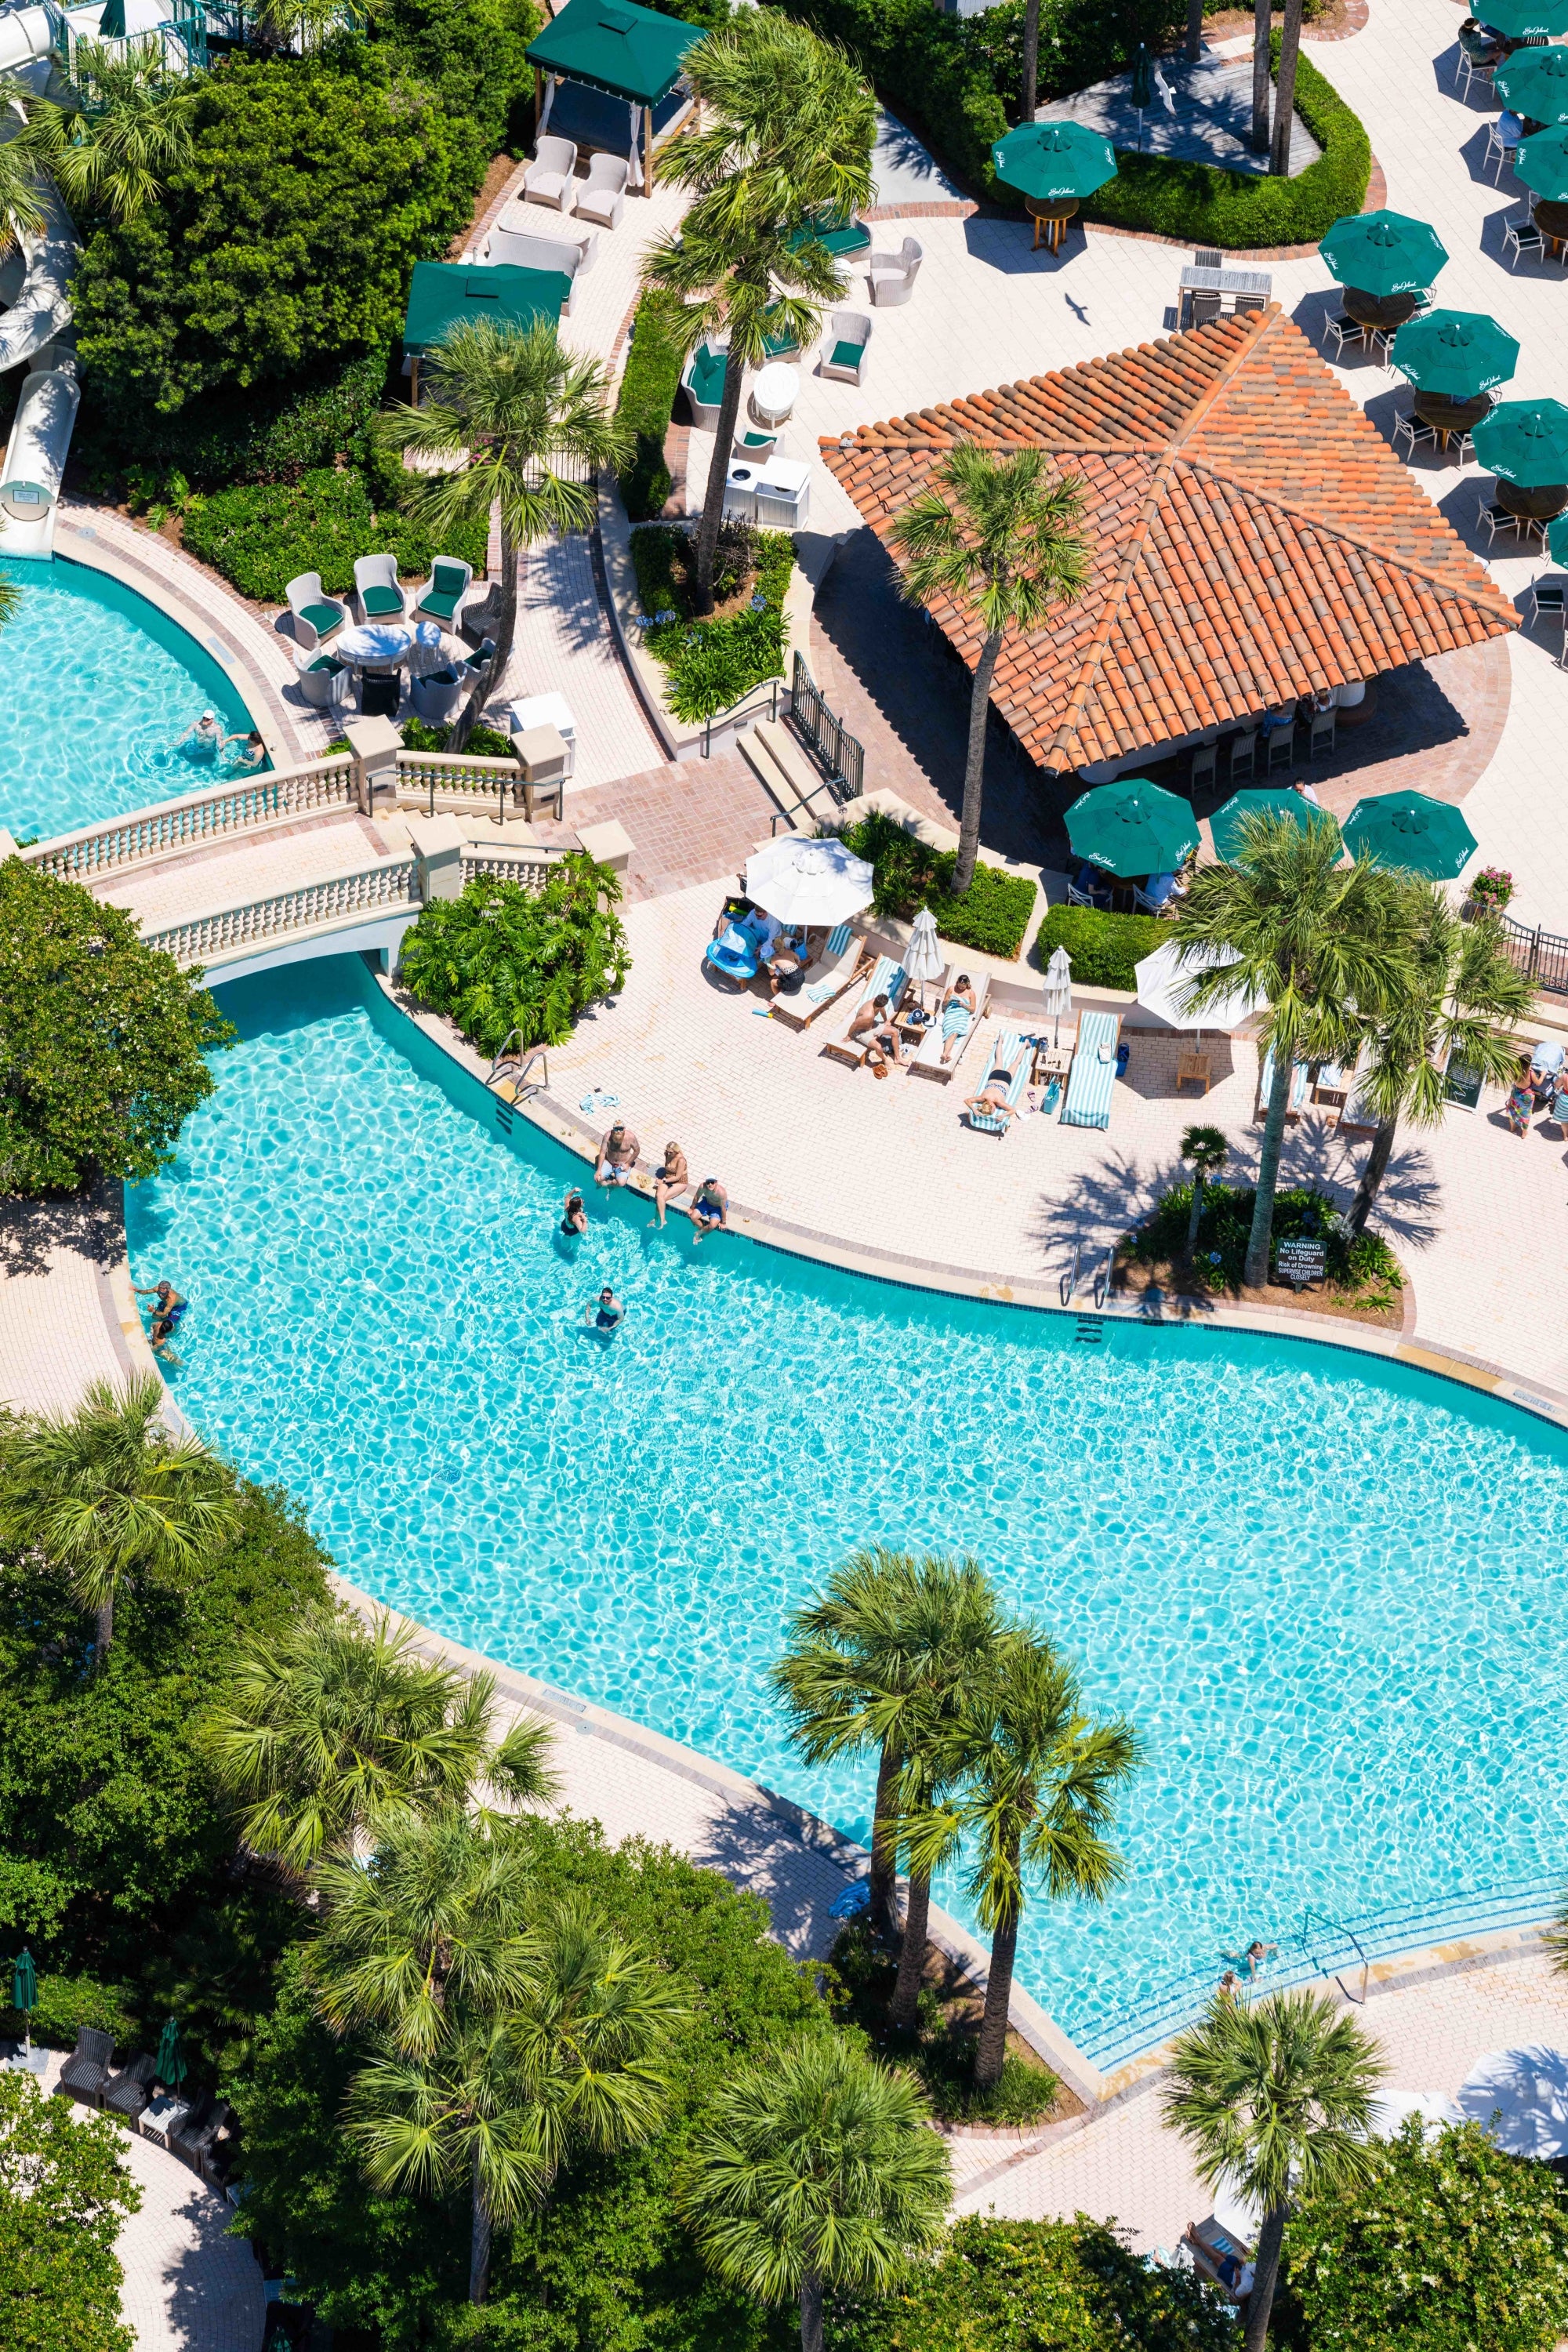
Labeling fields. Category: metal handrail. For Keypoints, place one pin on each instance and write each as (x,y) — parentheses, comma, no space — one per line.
(1069,1280)
(1102,1276)
(501,1066)
(770,685)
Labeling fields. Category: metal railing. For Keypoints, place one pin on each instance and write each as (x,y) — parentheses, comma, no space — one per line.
(755,694)
(194,820)
(1541,956)
(329,898)
(517,1065)
(460,779)
(838,754)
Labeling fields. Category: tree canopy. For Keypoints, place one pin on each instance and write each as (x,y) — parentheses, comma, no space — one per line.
(63,2192)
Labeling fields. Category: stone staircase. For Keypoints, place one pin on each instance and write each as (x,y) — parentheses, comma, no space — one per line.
(785,770)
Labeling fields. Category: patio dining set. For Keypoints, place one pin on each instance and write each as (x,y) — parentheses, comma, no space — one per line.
(392,629)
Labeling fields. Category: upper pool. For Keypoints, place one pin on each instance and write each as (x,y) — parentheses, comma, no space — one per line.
(99,687)
(1333,1592)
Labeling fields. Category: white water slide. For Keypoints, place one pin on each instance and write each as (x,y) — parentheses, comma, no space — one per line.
(35,286)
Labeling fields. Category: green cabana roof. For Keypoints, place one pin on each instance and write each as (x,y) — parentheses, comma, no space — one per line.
(445,292)
(631,52)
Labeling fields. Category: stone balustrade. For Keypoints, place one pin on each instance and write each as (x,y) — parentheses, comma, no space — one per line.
(330,900)
(196,819)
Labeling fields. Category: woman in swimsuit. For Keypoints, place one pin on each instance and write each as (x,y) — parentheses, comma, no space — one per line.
(709,1211)
(957,1016)
(670,1180)
(574,1217)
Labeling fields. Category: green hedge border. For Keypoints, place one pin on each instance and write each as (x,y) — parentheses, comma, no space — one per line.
(1204,205)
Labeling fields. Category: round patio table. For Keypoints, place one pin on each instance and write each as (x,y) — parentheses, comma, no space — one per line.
(393,644)
(1377,309)
(774,393)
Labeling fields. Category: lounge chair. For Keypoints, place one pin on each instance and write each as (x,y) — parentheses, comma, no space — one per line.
(844,346)
(512,249)
(1300,1080)
(887,978)
(444,590)
(317,616)
(207,2147)
(702,380)
(892,275)
(1218,2256)
(827,979)
(375,585)
(928,1063)
(182,2137)
(548,179)
(86,2071)
(603,195)
(1095,1063)
(1013,1053)
(131,2089)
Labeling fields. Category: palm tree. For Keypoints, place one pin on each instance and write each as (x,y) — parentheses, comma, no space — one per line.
(124,130)
(926,1846)
(336,1731)
(816,2172)
(997,536)
(22,158)
(1273,2096)
(1037,1779)
(512,422)
(1462,984)
(1194,47)
(787,124)
(1262,15)
(1207,1148)
(107,1493)
(1285,90)
(890,1640)
(1328,945)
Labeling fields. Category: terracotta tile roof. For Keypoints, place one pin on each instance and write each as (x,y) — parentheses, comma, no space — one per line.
(1254,537)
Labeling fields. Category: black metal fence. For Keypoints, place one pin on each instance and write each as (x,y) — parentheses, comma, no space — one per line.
(1542,956)
(834,750)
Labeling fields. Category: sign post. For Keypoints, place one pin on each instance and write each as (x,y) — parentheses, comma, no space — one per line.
(1300,1260)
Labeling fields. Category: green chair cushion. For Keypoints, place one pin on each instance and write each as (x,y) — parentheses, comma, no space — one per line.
(440,604)
(853,239)
(333,668)
(323,616)
(705,380)
(758,440)
(447,579)
(846,356)
(382,600)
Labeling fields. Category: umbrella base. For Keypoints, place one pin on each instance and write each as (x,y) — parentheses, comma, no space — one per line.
(1532,502)
(1377,309)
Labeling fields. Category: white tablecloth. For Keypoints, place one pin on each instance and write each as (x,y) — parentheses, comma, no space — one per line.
(392,645)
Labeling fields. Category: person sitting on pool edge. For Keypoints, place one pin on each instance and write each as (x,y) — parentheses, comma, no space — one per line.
(709,1210)
(617,1156)
(605,1313)
(669,1179)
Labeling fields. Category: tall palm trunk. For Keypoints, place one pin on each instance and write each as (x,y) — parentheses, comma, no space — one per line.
(1373,1175)
(1195,31)
(1256,1273)
(713,496)
(1265,2277)
(1260,25)
(479,2236)
(1195,1215)
(884,1903)
(103,1630)
(810,2314)
(1285,90)
(975,766)
(506,631)
(1031,60)
(993,2049)
(905,2012)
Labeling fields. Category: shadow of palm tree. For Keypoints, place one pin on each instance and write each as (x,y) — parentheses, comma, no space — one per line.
(759,1850)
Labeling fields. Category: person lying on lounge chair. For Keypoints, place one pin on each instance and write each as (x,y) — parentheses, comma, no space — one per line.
(992,1099)
(875,1028)
(957,1015)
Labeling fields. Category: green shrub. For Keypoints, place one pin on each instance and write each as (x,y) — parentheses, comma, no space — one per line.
(1355,1263)
(710,665)
(1203,205)
(64,2191)
(67,2003)
(930,69)
(907,874)
(1103,948)
(484,743)
(260,534)
(501,957)
(647,399)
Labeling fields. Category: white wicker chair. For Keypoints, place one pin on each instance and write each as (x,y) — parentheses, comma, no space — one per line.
(548,179)
(603,195)
(317,617)
(375,585)
(844,346)
(893,275)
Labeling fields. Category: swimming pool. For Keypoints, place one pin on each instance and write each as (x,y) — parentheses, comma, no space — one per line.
(100,685)
(1329,1591)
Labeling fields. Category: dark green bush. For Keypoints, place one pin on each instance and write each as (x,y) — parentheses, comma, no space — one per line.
(1356,1263)
(259,535)
(1103,948)
(484,743)
(711,664)
(907,874)
(1203,205)
(930,69)
(67,2003)
(646,398)
(501,957)
(64,2191)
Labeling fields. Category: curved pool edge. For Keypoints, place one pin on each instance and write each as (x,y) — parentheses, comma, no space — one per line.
(564,1126)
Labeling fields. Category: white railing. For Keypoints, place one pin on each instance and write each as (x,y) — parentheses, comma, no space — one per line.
(330,900)
(196,819)
(509,865)
(452,782)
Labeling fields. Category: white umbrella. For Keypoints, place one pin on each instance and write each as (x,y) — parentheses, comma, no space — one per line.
(1234,2211)
(1521,2096)
(1166,979)
(923,960)
(802,881)
(1059,988)
(1390,2109)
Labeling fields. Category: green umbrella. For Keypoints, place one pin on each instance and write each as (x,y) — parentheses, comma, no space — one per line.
(1227,821)
(25,1993)
(1457,354)
(1133,827)
(112,24)
(1384,253)
(1541,162)
(1526,20)
(1526,442)
(170,2065)
(1054,159)
(1407,829)
(1534,82)
(1142,78)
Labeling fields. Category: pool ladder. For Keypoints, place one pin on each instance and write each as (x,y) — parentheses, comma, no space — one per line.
(511,1078)
(1102,1273)
(1321,1926)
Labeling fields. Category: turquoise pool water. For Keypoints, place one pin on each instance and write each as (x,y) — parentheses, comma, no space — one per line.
(99,687)
(1335,1599)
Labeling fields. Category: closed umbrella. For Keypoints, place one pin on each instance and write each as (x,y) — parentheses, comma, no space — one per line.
(1384,253)
(1525,441)
(1164,986)
(112,24)
(170,2066)
(923,960)
(1455,355)
(1526,20)
(1534,82)
(802,881)
(1133,827)
(1225,823)
(1143,78)
(1059,988)
(25,1994)
(1407,829)
(1541,162)
(1521,2097)
(1048,160)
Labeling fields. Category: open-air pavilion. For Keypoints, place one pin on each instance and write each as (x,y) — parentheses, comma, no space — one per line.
(444,294)
(607,74)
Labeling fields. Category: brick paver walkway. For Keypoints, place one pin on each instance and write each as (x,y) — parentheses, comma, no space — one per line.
(692,821)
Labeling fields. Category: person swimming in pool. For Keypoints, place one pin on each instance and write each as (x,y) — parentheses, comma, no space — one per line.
(574,1216)
(605,1313)
(245,751)
(709,1210)
(205,737)
(167,1316)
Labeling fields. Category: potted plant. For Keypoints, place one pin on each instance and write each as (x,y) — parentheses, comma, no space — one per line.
(1490,890)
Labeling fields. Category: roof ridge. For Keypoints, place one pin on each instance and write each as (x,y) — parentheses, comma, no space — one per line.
(1258,325)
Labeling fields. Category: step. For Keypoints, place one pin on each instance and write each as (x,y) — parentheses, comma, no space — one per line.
(812,789)
(781,787)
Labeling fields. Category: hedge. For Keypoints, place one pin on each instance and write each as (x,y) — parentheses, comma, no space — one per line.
(1204,205)
(1103,948)
(65,2004)
(928,68)
(648,387)
(710,665)
(993,913)
(259,535)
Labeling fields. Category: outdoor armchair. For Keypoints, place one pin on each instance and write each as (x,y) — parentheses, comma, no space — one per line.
(603,195)
(317,616)
(86,2071)
(208,2146)
(184,2137)
(548,179)
(324,683)
(130,2090)
(444,590)
(702,380)
(893,275)
(375,585)
(844,348)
